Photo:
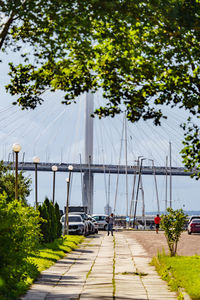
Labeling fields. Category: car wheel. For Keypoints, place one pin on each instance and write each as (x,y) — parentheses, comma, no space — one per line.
(96,231)
(189,232)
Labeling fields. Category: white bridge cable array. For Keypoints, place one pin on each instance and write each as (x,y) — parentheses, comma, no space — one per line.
(52,127)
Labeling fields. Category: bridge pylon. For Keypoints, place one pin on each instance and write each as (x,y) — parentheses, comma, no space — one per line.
(87,193)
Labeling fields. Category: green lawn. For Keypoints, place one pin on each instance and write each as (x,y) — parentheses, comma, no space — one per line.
(180,272)
(47,255)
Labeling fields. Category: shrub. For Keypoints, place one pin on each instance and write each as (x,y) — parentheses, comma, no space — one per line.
(19,237)
(173,224)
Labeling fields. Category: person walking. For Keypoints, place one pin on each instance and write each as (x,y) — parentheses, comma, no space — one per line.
(110,221)
(157,222)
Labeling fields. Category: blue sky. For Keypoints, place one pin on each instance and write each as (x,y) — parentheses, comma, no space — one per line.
(55,133)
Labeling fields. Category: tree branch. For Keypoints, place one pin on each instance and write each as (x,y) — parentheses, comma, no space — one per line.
(5,30)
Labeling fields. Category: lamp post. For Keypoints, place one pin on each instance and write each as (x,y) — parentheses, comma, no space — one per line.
(54,169)
(36,160)
(66,223)
(16,148)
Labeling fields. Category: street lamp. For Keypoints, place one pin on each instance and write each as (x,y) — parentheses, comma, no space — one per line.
(36,161)
(54,169)
(16,148)
(66,223)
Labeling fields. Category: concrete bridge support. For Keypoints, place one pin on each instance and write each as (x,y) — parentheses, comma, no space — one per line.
(88,176)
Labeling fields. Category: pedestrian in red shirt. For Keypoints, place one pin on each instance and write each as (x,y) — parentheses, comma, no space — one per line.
(157,222)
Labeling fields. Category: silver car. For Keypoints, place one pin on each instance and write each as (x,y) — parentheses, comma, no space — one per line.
(101,221)
(76,224)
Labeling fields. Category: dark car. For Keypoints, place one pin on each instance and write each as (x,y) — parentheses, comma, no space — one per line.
(194,226)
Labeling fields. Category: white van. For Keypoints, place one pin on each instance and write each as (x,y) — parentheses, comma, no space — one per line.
(101,221)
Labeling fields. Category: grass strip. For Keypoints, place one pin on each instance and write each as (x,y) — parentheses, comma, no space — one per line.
(181,272)
(47,255)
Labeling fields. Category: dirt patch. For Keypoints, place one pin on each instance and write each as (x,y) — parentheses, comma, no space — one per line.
(152,242)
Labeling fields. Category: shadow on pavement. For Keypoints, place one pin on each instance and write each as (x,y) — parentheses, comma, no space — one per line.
(83,251)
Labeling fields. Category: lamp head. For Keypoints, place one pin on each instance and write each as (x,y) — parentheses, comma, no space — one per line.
(54,168)
(16,148)
(70,167)
(67,180)
(36,159)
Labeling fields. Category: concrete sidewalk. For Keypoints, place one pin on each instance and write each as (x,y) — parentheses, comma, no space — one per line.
(104,267)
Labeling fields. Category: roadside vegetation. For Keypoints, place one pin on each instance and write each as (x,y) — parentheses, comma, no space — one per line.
(181,272)
(173,224)
(30,239)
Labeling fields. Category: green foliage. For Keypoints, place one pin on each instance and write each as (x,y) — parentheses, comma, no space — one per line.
(191,151)
(173,225)
(7,184)
(181,272)
(44,224)
(19,237)
(51,227)
(58,223)
(44,258)
(140,54)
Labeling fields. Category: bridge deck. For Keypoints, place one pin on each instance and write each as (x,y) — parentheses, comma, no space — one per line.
(95,168)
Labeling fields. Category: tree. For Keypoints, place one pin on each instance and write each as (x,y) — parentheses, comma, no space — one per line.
(51,226)
(7,184)
(173,224)
(44,224)
(141,54)
(58,223)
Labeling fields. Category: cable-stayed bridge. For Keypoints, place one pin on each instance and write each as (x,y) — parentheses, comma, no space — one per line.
(98,168)
(52,133)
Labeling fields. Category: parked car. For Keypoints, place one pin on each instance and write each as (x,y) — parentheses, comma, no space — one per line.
(76,224)
(194,226)
(96,226)
(84,216)
(101,221)
(193,217)
(91,225)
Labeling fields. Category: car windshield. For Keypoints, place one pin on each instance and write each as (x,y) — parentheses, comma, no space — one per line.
(75,219)
(195,221)
(84,216)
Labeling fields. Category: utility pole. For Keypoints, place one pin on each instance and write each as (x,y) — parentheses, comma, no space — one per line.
(133,190)
(126,167)
(166,184)
(170,182)
(154,174)
(136,201)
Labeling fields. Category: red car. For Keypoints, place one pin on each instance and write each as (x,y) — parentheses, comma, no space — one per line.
(194,226)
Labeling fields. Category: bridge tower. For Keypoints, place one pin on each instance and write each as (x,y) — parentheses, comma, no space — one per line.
(88,179)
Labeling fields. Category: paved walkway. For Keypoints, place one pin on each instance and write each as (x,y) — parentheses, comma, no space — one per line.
(104,267)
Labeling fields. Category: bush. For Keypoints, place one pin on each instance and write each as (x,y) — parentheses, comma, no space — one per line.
(19,237)
(173,224)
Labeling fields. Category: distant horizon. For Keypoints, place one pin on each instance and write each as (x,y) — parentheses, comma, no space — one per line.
(188,212)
